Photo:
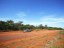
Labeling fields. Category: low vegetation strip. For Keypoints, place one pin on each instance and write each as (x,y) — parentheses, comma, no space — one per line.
(11,25)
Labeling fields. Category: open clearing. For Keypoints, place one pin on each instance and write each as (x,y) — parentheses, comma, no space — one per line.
(34,39)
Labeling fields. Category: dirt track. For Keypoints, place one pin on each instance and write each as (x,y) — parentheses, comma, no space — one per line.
(34,39)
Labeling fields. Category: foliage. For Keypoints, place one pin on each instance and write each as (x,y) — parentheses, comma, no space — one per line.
(11,25)
(54,28)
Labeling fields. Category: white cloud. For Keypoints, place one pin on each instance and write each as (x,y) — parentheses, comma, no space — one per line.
(51,20)
(34,23)
(21,14)
(5,19)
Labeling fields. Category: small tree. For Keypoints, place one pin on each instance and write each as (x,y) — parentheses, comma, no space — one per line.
(46,27)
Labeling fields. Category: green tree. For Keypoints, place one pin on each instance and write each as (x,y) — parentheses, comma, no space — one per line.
(3,26)
(10,24)
(40,26)
(45,26)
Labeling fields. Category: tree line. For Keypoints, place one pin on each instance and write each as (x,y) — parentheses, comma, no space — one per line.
(11,25)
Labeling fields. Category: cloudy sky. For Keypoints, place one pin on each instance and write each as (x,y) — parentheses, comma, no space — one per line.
(46,12)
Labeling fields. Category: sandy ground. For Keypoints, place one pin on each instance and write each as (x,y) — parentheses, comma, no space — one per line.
(34,39)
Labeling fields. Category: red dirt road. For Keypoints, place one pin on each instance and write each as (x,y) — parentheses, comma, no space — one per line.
(34,39)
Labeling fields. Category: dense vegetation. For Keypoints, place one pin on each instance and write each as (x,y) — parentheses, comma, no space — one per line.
(11,25)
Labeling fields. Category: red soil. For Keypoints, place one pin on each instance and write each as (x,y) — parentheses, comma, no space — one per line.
(34,39)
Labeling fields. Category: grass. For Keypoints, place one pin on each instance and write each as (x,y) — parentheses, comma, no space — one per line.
(59,38)
(61,32)
(14,42)
(18,47)
(55,46)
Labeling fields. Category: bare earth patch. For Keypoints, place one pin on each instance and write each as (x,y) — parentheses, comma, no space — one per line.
(34,39)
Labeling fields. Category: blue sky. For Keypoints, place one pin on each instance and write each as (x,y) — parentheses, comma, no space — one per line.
(46,12)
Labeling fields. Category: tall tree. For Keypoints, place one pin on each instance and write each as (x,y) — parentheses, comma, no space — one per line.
(40,26)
